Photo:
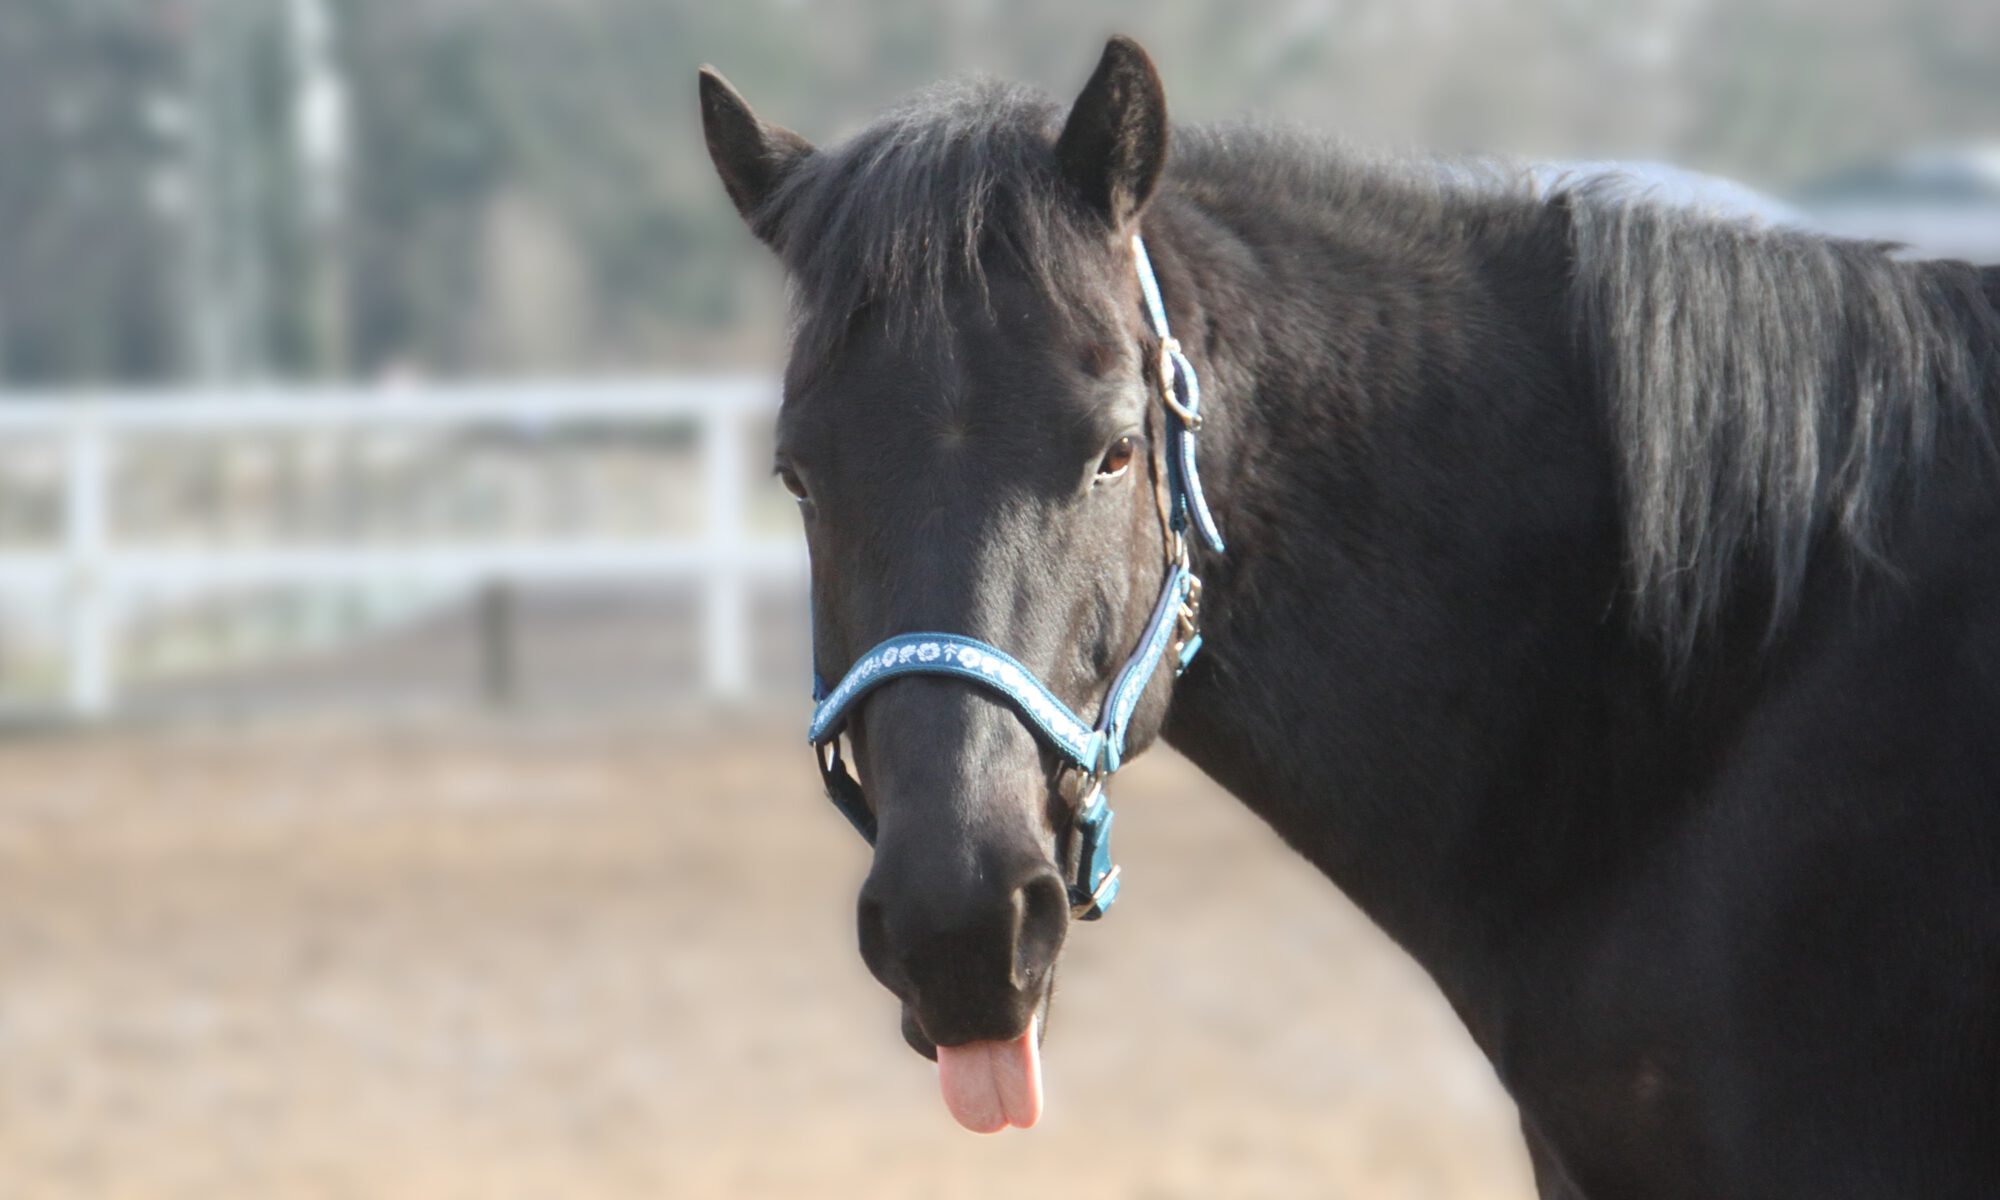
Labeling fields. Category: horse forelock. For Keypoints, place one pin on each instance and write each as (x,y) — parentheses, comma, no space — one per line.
(933,196)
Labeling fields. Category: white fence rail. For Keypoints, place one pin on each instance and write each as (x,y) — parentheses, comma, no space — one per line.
(89,571)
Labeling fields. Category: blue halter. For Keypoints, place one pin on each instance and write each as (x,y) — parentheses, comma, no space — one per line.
(1096,749)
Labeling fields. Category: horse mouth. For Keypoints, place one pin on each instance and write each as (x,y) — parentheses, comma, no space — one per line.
(991,1084)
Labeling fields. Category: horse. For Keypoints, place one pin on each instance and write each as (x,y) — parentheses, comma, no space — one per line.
(1607,604)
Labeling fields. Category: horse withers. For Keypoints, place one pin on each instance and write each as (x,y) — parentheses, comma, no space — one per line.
(1607,606)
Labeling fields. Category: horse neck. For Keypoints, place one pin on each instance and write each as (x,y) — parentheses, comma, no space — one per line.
(1415,663)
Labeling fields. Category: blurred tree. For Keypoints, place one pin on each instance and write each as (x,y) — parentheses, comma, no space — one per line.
(87,265)
(430,152)
(233,188)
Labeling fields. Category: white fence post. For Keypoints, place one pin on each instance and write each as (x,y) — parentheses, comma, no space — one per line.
(93,574)
(91,628)
(725,638)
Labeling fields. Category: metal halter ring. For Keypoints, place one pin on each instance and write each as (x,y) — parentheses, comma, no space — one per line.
(1190,611)
(1170,352)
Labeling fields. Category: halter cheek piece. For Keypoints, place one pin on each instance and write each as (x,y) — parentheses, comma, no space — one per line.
(1094,750)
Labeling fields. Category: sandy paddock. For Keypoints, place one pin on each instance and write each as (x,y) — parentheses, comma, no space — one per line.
(517,961)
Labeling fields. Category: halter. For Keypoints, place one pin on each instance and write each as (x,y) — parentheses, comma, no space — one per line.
(1096,750)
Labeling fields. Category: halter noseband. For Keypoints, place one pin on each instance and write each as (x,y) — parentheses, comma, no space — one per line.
(1096,750)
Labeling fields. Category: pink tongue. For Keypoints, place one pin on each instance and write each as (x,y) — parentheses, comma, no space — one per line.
(991,1085)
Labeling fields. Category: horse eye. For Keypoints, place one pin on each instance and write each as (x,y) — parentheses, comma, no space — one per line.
(1118,457)
(790,479)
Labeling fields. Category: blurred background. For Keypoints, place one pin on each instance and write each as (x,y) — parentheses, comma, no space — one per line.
(401,655)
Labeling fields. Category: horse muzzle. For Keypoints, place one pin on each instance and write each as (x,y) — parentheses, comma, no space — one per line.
(971,954)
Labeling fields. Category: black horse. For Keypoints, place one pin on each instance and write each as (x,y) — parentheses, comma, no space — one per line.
(1609,604)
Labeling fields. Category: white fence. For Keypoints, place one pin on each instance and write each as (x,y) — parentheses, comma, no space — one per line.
(89,570)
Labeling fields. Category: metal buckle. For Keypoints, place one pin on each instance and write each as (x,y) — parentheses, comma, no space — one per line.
(1187,627)
(1093,883)
(1170,347)
(1099,901)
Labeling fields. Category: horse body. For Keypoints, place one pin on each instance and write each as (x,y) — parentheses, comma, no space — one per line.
(1607,610)
(1729,934)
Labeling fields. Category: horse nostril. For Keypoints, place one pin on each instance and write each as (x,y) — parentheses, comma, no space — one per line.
(1041,908)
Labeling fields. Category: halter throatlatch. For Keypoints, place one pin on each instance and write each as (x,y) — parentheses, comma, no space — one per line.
(1095,749)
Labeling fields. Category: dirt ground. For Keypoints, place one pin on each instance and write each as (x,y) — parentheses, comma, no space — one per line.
(505,961)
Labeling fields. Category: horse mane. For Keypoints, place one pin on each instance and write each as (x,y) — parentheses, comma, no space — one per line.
(1767,387)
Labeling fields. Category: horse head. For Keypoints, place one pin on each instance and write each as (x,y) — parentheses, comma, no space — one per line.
(973,429)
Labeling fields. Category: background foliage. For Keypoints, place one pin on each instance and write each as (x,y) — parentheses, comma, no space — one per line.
(519,185)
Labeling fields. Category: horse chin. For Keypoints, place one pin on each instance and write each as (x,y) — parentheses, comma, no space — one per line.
(913,1033)
(918,1040)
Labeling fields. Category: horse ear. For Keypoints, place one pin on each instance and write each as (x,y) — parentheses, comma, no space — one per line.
(751,156)
(1114,144)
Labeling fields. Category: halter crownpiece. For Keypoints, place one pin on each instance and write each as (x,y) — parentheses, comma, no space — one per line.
(1095,749)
